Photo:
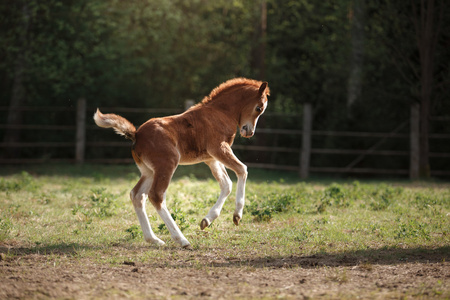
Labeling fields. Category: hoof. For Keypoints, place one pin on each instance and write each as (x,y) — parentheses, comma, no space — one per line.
(188,247)
(236,220)
(160,243)
(204,223)
(156,242)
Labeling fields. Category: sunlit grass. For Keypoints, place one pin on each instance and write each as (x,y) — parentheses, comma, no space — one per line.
(88,214)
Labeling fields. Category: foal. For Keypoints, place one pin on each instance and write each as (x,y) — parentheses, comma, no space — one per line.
(204,133)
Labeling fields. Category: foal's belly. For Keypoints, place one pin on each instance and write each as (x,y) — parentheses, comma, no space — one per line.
(192,159)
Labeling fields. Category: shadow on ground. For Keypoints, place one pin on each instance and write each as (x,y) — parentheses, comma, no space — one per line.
(382,256)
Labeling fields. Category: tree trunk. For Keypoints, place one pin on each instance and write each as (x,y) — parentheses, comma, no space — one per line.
(357,54)
(259,49)
(427,33)
(12,134)
(257,64)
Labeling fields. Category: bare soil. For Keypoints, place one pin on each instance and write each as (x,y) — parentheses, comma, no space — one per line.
(210,273)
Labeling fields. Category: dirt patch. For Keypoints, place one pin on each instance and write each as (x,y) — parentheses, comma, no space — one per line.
(208,274)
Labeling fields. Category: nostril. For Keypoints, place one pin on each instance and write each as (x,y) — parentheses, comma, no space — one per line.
(244,127)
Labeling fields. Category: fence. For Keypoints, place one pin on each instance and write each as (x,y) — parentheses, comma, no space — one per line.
(304,164)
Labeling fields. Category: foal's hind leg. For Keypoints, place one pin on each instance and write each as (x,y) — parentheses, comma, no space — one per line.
(138,196)
(219,172)
(158,198)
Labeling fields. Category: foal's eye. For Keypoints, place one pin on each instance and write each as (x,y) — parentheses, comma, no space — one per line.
(258,109)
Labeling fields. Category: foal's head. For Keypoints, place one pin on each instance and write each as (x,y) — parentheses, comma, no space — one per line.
(255,106)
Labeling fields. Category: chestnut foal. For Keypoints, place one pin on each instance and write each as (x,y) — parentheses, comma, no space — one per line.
(204,133)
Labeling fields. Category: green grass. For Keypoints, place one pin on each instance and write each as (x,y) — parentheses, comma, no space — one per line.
(85,211)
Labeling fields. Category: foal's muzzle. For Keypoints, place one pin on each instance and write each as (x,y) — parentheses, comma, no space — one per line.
(247,131)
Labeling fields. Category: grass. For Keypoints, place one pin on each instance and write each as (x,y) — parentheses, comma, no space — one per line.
(85,210)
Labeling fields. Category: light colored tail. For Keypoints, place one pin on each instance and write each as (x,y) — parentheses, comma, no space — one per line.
(120,125)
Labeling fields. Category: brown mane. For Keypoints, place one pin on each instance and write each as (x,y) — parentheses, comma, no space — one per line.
(230,84)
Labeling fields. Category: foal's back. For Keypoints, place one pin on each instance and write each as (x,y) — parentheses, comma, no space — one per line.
(187,136)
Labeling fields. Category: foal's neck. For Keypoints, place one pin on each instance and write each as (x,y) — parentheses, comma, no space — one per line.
(228,103)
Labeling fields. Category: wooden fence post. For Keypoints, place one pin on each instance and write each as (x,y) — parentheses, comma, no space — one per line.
(414,135)
(81,131)
(306,141)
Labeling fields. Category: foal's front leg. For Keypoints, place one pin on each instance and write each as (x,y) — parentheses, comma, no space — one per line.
(241,174)
(219,172)
(225,155)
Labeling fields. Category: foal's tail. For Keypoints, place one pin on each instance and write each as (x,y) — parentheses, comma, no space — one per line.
(120,125)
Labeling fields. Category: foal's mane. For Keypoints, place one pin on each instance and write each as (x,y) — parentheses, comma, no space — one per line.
(230,84)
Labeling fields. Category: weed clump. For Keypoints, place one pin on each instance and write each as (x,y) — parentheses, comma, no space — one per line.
(22,182)
(100,204)
(179,216)
(273,204)
(5,228)
(134,231)
(384,197)
(335,195)
(424,202)
(412,229)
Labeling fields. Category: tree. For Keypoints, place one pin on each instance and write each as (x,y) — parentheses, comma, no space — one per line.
(258,55)
(308,53)
(21,20)
(427,18)
(415,39)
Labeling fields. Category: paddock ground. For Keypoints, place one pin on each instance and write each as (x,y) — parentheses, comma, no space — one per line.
(211,274)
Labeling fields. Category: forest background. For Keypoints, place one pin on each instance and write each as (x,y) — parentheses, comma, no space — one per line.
(361,64)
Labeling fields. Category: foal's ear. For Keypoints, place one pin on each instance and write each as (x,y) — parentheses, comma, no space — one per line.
(263,87)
